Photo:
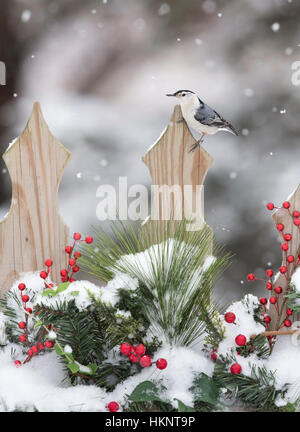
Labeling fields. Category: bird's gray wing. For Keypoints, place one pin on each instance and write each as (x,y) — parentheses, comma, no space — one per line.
(209,117)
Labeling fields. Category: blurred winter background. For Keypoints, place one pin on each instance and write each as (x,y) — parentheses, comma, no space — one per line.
(101,68)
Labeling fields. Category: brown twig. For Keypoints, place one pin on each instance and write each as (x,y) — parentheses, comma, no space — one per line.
(276,333)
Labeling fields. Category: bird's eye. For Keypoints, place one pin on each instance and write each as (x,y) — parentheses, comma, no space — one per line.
(183,94)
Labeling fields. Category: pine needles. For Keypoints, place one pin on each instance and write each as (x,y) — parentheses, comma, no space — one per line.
(175,277)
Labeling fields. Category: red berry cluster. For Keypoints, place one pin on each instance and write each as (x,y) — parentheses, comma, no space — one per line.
(32,349)
(240,341)
(290,259)
(67,275)
(136,354)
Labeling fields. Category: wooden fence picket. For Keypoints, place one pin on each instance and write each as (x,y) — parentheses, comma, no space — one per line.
(33,230)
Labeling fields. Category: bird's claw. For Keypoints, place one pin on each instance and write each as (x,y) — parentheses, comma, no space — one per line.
(196,144)
(180,121)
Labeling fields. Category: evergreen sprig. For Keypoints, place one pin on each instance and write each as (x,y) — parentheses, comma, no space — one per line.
(173,288)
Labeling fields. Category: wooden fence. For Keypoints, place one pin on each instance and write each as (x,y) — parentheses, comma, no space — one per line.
(33,230)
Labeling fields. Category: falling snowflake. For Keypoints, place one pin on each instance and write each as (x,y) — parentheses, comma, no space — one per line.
(15,95)
(219,15)
(164,9)
(178,39)
(198,41)
(248,92)
(283,111)
(233,175)
(289,51)
(275,27)
(209,7)
(26,15)
(103,163)
(245,132)
(79,175)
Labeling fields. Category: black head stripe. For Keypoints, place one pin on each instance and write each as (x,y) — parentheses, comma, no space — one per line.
(185,91)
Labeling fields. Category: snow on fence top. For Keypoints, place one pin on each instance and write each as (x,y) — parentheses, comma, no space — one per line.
(33,230)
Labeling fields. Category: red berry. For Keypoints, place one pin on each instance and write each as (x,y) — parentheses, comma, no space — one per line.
(126,349)
(286,205)
(72,262)
(161,363)
(267,319)
(72,280)
(287,323)
(270,206)
(230,317)
(63,273)
(30,352)
(240,340)
(280,227)
(22,325)
(269,273)
(77,254)
(297,221)
(214,355)
(288,237)
(43,275)
(273,300)
(296,214)
(282,269)
(140,349)
(25,298)
(49,344)
(289,311)
(278,290)
(68,249)
(77,236)
(290,259)
(17,363)
(89,240)
(21,286)
(48,263)
(133,358)
(113,406)
(22,338)
(41,346)
(75,269)
(269,286)
(284,247)
(250,277)
(236,369)
(145,361)
(29,310)
(34,349)
(263,300)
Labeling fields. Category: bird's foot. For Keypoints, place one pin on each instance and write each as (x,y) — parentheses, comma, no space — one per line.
(193,147)
(180,121)
(196,144)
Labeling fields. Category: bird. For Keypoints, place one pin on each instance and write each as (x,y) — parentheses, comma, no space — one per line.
(200,116)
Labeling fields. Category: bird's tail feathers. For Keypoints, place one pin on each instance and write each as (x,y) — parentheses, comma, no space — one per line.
(229,128)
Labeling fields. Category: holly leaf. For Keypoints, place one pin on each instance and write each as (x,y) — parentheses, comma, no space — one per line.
(146,391)
(74,367)
(38,324)
(48,293)
(74,293)
(59,351)
(62,287)
(184,408)
(204,389)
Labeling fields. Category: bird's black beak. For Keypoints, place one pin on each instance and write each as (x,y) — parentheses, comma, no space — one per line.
(170,94)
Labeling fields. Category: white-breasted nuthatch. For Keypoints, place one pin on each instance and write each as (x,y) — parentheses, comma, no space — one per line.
(200,116)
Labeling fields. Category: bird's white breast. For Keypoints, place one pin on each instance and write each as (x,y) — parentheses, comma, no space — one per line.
(188,111)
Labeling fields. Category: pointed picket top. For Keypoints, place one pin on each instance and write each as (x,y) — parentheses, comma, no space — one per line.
(172,164)
(33,230)
(286,218)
